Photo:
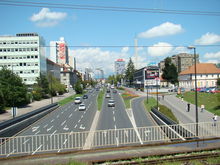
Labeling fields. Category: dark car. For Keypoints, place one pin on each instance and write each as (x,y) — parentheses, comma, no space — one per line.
(85,96)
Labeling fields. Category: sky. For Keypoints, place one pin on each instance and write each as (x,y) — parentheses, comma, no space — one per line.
(98,33)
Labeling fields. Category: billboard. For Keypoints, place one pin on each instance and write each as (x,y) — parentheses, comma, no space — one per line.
(151,74)
(61,50)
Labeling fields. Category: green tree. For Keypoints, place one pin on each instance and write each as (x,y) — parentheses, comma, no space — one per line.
(129,73)
(218,82)
(78,87)
(170,73)
(13,90)
(2,102)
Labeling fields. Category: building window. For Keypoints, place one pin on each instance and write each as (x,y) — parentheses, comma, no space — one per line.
(32,71)
(36,56)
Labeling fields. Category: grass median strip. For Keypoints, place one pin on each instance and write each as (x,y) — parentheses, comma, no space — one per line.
(68,99)
(163,109)
(100,99)
(127,99)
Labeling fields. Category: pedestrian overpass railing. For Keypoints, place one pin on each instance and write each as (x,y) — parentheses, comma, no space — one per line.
(33,144)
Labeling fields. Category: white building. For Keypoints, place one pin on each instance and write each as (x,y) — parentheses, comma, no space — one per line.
(24,54)
(206,75)
(59,51)
(119,66)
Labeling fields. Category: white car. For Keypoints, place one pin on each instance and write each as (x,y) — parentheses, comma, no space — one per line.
(77,100)
(82,107)
(111,103)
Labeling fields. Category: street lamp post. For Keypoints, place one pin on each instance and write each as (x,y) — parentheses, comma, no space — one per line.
(145,77)
(13,100)
(196,97)
(157,92)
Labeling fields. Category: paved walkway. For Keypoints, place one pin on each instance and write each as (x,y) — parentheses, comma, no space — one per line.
(179,108)
(33,106)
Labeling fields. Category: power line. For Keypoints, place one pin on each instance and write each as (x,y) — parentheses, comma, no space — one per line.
(105,8)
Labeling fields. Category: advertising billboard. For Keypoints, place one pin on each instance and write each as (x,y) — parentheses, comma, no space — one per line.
(151,74)
(61,50)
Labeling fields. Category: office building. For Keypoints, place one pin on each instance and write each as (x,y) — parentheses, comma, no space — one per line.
(119,66)
(24,54)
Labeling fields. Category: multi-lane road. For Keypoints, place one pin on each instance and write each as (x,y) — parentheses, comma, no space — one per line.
(67,127)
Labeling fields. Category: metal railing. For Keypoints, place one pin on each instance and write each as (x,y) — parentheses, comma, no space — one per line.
(104,138)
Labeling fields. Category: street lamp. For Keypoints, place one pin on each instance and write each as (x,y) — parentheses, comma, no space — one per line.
(146,77)
(196,97)
(13,100)
(51,94)
(157,92)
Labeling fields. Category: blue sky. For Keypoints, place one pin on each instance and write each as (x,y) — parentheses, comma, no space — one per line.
(107,28)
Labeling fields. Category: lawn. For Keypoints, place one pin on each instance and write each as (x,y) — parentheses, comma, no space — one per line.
(210,101)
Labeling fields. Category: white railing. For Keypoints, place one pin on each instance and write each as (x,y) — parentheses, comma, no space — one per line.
(104,138)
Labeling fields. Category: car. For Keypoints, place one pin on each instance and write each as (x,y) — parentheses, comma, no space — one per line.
(77,100)
(82,107)
(111,103)
(107,95)
(108,90)
(216,90)
(85,96)
(114,91)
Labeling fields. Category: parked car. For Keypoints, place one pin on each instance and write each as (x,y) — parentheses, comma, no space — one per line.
(85,96)
(114,91)
(111,103)
(82,107)
(216,90)
(77,100)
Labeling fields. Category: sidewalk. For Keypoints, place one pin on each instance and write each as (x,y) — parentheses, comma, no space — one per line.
(179,108)
(33,106)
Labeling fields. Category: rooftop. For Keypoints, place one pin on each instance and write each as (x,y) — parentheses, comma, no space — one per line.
(201,68)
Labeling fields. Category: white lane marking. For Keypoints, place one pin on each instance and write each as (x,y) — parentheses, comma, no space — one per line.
(75,126)
(113,112)
(26,141)
(45,125)
(59,150)
(37,149)
(11,153)
(62,112)
(79,120)
(58,116)
(53,133)
(81,117)
(37,132)
(63,123)
(114,118)
(52,121)
(35,129)
(81,127)
(66,128)
(115,127)
(70,115)
(49,128)
(75,110)
(85,111)
(65,142)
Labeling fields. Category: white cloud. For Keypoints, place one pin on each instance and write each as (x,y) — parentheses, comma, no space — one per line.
(160,49)
(208,38)
(98,58)
(46,18)
(180,49)
(164,29)
(125,49)
(212,55)
(213,61)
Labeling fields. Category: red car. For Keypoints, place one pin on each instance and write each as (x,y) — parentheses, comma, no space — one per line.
(217,90)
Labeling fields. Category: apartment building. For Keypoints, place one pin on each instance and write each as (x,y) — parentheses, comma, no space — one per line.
(24,54)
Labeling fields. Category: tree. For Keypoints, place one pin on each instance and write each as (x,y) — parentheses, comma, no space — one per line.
(129,73)
(218,82)
(13,90)
(78,87)
(170,72)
